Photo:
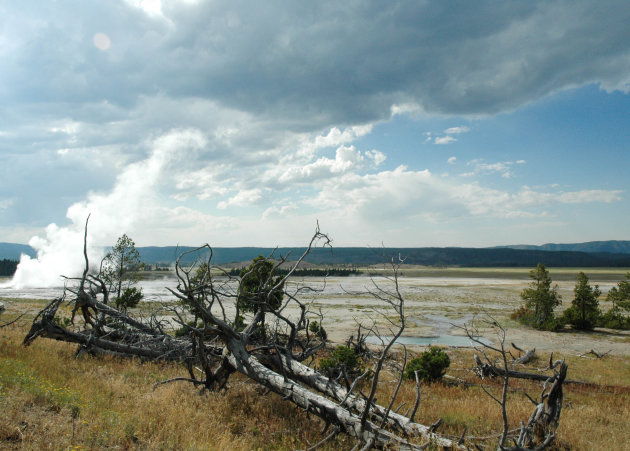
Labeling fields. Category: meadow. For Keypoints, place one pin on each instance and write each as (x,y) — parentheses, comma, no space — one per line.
(52,400)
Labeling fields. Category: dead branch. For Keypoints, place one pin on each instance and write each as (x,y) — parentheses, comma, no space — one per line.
(599,355)
(525,358)
(2,309)
(540,430)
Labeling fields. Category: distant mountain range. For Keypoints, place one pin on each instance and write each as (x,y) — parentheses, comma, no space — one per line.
(614,247)
(12,251)
(592,254)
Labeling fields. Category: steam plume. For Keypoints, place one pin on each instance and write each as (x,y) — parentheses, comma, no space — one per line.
(60,250)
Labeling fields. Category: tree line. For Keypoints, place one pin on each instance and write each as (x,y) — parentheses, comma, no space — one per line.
(8,267)
(306,272)
(541,299)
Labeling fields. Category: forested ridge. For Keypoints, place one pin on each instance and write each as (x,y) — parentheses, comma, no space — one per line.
(429,256)
(7,267)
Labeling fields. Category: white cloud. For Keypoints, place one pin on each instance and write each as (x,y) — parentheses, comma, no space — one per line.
(242,198)
(527,197)
(452,160)
(445,140)
(389,197)
(503,168)
(456,130)
(6,203)
(406,108)
(376,156)
(448,138)
(335,137)
(347,158)
(588,196)
(67,127)
(281,211)
(152,8)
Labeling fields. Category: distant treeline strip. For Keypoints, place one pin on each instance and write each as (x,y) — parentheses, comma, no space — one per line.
(428,256)
(309,272)
(8,267)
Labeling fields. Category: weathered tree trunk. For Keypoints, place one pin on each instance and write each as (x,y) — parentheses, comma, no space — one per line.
(329,387)
(529,355)
(129,343)
(319,405)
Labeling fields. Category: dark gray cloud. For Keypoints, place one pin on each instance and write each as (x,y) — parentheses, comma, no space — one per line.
(329,62)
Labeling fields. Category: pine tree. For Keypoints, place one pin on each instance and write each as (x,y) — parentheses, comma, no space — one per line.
(584,311)
(542,298)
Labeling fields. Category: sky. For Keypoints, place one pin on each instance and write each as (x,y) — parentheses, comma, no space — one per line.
(236,123)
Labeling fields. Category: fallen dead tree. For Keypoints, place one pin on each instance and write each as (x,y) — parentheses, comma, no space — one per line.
(268,345)
(540,430)
(243,324)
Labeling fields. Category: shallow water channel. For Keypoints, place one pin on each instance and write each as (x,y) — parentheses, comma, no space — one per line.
(444,331)
(456,341)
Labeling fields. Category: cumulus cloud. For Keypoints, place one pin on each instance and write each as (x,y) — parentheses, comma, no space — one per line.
(402,195)
(452,160)
(336,137)
(376,156)
(347,159)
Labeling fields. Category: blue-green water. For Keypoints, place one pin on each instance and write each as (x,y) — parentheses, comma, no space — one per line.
(445,340)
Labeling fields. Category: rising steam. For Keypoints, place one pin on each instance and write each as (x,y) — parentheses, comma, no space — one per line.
(60,251)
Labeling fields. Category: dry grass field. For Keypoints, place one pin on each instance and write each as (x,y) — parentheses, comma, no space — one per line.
(51,400)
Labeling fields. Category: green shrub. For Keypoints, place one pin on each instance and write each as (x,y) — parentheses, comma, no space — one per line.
(613,319)
(240,324)
(522,314)
(430,366)
(256,289)
(185,331)
(527,317)
(129,298)
(318,330)
(342,356)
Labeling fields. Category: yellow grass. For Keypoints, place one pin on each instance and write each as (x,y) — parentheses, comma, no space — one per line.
(51,400)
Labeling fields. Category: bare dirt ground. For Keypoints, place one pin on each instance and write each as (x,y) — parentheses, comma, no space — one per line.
(440,306)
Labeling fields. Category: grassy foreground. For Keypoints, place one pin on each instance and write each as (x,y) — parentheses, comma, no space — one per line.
(51,400)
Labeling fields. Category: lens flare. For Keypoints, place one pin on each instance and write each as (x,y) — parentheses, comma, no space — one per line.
(102,41)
